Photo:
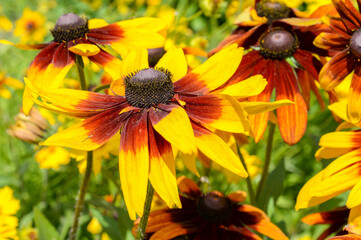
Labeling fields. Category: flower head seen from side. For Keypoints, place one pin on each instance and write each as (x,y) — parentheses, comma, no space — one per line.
(211,215)
(155,108)
(344,39)
(30,27)
(74,35)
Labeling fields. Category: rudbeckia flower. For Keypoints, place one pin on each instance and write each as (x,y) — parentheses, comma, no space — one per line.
(344,39)
(210,215)
(156,108)
(74,35)
(336,218)
(265,14)
(30,27)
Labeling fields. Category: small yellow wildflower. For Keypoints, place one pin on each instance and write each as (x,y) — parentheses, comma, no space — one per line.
(10,82)
(5,24)
(30,27)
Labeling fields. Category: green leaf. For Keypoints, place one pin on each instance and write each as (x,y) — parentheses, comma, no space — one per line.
(274,186)
(46,231)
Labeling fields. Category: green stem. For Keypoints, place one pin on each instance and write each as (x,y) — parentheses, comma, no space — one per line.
(89,164)
(144,220)
(80,202)
(80,67)
(248,179)
(98,89)
(267,160)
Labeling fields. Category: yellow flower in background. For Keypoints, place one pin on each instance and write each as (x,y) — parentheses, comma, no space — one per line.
(30,27)
(8,82)
(94,226)
(8,208)
(109,148)
(28,233)
(5,24)
(52,157)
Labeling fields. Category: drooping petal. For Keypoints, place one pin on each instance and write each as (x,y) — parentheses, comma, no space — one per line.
(134,163)
(162,169)
(48,69)
(90,133)
(211,74)
(188,187)
(238,196)
(331,41)
(328,217)
(354,97)
(218,111)
(217,150)
(174,61)
(307,83)
(126,35)
(261,107)
(84,49)
(349,15)
(292,119)
(108,62)
(172,123)
(247,88)
(335,70)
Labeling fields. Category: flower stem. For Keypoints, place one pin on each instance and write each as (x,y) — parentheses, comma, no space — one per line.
(267,160)
(80,202)
(144,220)
(98,89)
(80,67)
(89,164)
(248,179)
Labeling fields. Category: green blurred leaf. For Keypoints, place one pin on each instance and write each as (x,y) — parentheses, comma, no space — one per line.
(46,231)
(274,186)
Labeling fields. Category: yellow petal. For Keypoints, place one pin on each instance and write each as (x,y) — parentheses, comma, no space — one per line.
(354,221)
(219,68)
(341,140)
(12,82)
(4,93)
(260,107)
(85,50)
(328,153)
(136,60)
(354,198)
(217,150)
(175,127)
(340,109)
(302,22)
(118,87)
(174,61)
(96,23)
(134,164)
(162,171)
(249,87)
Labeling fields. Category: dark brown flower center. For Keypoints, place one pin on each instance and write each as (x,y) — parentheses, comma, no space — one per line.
(30,26)
(69,27)
(355,43)
(214,207)
(272,9)
(149,87)
(278,44)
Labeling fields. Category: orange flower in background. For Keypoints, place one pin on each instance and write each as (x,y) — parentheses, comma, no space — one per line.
(155,108)
(30,27)
(344,39)
(74,35)
(209,215)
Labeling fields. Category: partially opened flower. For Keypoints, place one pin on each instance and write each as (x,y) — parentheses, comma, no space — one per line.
(74,35)
(30,27)
(211,215)
(344,39)
(336,218)
(156,108)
